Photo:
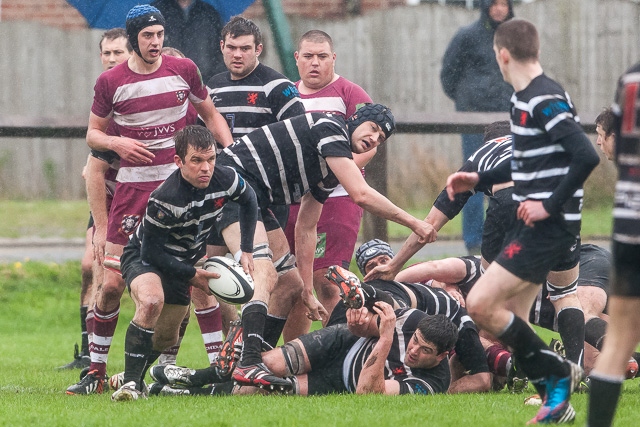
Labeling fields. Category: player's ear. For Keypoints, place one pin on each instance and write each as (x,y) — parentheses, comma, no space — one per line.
(177,160)
(259,49)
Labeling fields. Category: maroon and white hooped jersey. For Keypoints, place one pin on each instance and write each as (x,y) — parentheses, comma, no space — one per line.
(150,108)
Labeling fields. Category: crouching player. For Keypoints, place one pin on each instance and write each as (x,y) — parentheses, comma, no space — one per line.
(158,263)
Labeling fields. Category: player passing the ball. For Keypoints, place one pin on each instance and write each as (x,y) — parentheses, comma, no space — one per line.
(158,263)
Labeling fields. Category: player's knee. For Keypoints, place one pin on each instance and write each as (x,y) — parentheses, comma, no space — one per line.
(559,292)
(285,263)
(293,355)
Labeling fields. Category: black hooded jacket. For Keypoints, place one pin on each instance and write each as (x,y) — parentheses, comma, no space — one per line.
(470,74)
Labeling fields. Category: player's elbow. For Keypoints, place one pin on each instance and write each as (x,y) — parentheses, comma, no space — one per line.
(360,197)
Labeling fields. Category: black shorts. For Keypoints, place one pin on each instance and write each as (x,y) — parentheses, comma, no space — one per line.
(625,274)
(231,214)
(595,265)
(531,252)
(500,218)
(176,291)
(327,349)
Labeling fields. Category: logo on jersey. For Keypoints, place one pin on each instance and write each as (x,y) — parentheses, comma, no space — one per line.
(399,371)
(321,245)
(252,97)
(555,108)
(181,95)
(129,224)
(291,92)
(523,118)
(218,203)
(512,250)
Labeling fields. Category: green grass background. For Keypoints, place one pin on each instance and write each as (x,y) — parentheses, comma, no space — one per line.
(39,325)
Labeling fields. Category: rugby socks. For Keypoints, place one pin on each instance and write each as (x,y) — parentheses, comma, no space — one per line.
(85,337)
(572,332)
(138,345)
(594,331)
(104,328)
(533,355)
(604,393)
(170,355)
(372,296)
(273,327)
(254,316)
(210,321)
(499,360)
(90,319)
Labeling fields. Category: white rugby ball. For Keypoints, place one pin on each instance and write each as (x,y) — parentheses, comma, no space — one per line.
(234,285)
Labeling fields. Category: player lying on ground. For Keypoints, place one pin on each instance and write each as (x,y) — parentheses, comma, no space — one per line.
(390,352)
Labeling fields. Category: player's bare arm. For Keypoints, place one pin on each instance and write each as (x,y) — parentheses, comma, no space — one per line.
(411,246)
(305,237)
(127,148)
(460,182)
(201,280)
(369,199)
(371,378)
(97,198)
(214,122)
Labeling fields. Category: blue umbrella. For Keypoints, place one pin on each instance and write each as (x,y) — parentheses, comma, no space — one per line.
(111,13)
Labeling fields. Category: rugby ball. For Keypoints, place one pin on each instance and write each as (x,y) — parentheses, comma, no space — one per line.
(234,285)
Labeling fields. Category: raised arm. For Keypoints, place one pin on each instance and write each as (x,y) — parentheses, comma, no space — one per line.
(370,200)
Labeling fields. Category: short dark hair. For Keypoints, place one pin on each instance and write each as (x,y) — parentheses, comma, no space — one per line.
(196,136)
(606,119)
(239,26)
(115,33)
(496,130)
(316,36)
(520,38)
(438,330)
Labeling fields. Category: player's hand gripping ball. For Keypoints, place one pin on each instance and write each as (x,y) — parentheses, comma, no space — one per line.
(234,285)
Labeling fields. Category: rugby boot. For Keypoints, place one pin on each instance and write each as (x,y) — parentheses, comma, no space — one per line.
(172,375)
(259,375)
(90,384)
(350,288)
(230,351)
(556,408)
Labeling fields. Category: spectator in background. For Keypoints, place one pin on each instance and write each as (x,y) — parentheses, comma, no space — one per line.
(470,76)
(193,27)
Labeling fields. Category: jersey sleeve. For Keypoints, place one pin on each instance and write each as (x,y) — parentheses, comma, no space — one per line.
(357,98)
(198,90)
(332,139)
(285,100)
(102,98)
(106,156)
(556,116)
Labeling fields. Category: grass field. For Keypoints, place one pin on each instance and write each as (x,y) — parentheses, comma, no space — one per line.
(39,325)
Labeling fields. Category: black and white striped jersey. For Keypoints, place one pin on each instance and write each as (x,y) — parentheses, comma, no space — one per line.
(285,160)
(179,217)
(490,155)
(412,381)
(265,96)
(542,115)
(626,212)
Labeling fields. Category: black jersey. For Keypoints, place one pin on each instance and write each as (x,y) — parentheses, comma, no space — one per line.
(489,156)
(626,212)
(542,116)
(179,217)
(286,159)
(412,381)
(265,96)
